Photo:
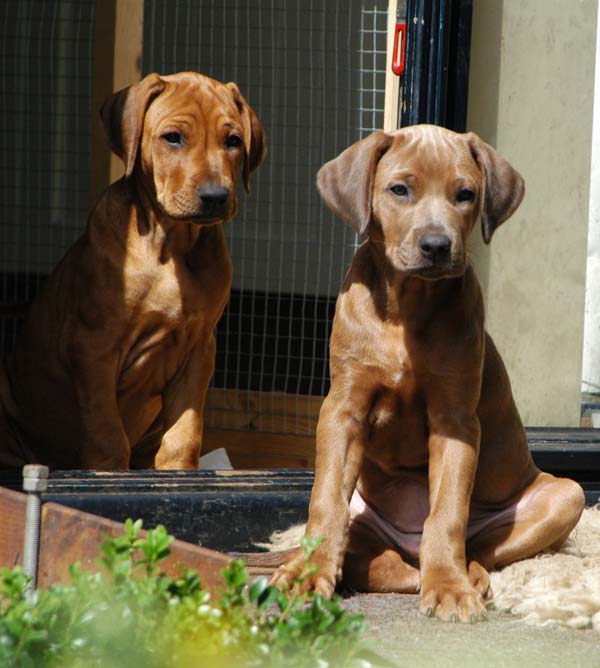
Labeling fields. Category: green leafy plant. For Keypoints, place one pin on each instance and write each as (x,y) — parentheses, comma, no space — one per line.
(131,614)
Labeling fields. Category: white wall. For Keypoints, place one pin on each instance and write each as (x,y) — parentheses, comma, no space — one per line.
(531,94)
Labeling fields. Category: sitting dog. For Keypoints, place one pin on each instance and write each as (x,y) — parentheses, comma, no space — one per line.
(112,367)
(424,479)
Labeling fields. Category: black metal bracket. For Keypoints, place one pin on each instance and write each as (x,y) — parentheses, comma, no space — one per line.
(436,81)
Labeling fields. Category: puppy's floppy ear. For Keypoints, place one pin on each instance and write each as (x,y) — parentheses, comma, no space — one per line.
(255,138)
(504,186)
(123,117)
(346,182)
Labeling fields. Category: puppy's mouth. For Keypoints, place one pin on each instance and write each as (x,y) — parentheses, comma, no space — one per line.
(434,272)
(414,264)
(200,215)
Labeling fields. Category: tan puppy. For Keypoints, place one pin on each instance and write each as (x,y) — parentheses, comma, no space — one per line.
(112,367)
(424,478)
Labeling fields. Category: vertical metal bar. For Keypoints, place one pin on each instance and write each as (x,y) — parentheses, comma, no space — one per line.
(418,35)
(35,481)
(458,65)
(437,62)
(440,47)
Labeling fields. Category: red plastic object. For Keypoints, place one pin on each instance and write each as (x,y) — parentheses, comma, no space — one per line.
(399,55)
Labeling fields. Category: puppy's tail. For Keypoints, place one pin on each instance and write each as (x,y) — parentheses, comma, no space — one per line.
(269,561)
(281,546)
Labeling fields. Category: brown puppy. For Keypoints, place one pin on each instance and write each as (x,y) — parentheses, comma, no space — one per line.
(423,474)
(112,367)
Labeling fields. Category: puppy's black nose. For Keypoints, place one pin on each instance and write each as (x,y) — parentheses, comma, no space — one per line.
(213,196)
(435,247)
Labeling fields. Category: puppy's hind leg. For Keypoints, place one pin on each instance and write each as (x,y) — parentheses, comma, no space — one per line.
(541,518)
(371,565)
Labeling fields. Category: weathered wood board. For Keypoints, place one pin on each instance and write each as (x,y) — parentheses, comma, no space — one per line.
(69,536)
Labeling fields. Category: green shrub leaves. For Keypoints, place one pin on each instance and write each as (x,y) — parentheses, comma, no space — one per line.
(131,614)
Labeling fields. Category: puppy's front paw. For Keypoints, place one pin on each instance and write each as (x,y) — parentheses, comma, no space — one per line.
(451,598)
(294,574)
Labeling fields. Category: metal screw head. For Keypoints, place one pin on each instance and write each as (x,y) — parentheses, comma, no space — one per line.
(35,478)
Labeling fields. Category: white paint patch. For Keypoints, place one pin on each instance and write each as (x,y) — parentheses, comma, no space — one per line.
(591,333)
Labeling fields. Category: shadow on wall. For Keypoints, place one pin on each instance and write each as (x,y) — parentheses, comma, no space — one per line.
(484,87)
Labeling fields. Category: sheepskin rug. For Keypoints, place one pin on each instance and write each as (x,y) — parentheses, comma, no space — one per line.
(553,588)
(560,587)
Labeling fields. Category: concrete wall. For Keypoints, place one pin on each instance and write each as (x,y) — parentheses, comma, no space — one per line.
(531,94)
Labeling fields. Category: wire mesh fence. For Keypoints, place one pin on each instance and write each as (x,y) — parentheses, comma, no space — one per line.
(315,72)
(45,116)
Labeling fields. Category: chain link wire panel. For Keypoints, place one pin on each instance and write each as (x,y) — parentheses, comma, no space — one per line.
(45,115)
(314,71)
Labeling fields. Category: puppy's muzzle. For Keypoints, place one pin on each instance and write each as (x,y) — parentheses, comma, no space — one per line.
(436,248)
(213,198)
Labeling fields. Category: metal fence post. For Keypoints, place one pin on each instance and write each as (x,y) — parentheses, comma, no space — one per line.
(35,481)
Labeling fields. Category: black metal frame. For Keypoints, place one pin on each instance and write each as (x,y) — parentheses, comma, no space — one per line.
(234,510)
(436,81)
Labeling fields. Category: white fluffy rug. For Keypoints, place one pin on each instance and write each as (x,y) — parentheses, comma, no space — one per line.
(556,588)
(552,588)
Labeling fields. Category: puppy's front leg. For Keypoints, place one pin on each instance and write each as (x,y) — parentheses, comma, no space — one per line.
(103,443)
(183,407)
(446,590)
(340,444)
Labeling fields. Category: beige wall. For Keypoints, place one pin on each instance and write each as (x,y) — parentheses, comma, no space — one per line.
(531,93)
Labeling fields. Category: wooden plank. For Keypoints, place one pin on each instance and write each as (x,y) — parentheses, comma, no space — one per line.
(261,450)
(392,81)
(102,87)
(69,536)
(262,411)
(129,30)
(117,63)
(12,515)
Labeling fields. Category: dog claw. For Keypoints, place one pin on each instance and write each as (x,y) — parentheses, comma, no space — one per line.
(454,618)
(428,612)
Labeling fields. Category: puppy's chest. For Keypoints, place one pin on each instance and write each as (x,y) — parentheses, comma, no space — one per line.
(396,395)
(169,314)
(397,416)
(390,357)
(173,295)
(381,365)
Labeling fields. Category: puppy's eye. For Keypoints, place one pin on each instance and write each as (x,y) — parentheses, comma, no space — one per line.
(173,138)
(400,190)
(465,195)
(233,141)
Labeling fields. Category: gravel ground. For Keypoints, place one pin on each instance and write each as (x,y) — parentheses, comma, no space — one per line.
(412,641)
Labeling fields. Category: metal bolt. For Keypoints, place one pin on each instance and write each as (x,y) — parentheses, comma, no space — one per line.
(35,481)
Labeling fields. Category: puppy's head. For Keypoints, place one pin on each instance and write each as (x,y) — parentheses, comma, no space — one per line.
(418,193)
(186,135)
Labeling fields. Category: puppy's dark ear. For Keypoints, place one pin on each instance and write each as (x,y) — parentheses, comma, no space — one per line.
(255,138)
(504,186)
(123,117)
(346,182)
